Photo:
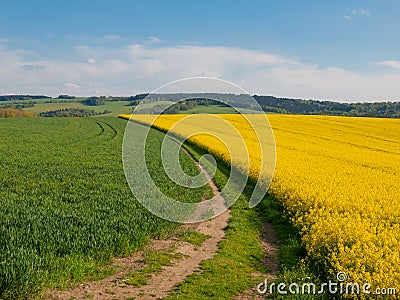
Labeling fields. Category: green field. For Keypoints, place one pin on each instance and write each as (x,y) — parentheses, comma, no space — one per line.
(116,107)
(122,107)
(154,103)
(66,208)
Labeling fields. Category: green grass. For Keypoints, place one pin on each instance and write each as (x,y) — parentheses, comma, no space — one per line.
(154,260)
(116,107)
(151,104)
(193,237)
(66,208)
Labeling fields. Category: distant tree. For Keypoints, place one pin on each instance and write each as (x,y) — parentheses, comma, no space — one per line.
(183,106)
(138,97)
(65,97)
(71,112)
(22,97)
(94,101)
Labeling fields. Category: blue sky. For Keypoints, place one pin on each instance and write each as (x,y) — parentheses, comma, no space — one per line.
(338,50)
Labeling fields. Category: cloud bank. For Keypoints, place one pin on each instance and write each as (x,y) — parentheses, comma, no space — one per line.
(129,69)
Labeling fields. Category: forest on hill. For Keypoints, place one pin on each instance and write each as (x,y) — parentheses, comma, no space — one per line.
(269,104)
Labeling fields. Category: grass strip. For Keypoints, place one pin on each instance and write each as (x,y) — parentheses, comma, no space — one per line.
(231,271)
(193,237)
(154,260)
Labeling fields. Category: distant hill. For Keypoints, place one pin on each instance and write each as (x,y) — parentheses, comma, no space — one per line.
(22,97)
(269,104)
(272,104)
(313,107)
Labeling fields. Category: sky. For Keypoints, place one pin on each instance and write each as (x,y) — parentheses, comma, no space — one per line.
(343,50)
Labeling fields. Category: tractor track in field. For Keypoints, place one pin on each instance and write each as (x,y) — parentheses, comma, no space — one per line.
(102,125)
(79,139)
(98,134)
(115,132)
(161,284)
(101,128)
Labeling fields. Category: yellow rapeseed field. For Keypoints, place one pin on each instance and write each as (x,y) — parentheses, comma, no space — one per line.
(338,179)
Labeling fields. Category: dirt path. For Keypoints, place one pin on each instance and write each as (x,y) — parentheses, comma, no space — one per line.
(159,285)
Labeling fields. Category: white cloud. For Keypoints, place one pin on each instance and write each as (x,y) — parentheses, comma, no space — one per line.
(32,67)
(354,12)
(113,37)
(363,12)
(390,63)
(91,60)
(153,40)
(71,85)
(119,71)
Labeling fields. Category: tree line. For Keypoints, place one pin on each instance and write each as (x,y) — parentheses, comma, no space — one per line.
(314,107)
(270,104)
(22,97)
(18,105)
(72,112)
